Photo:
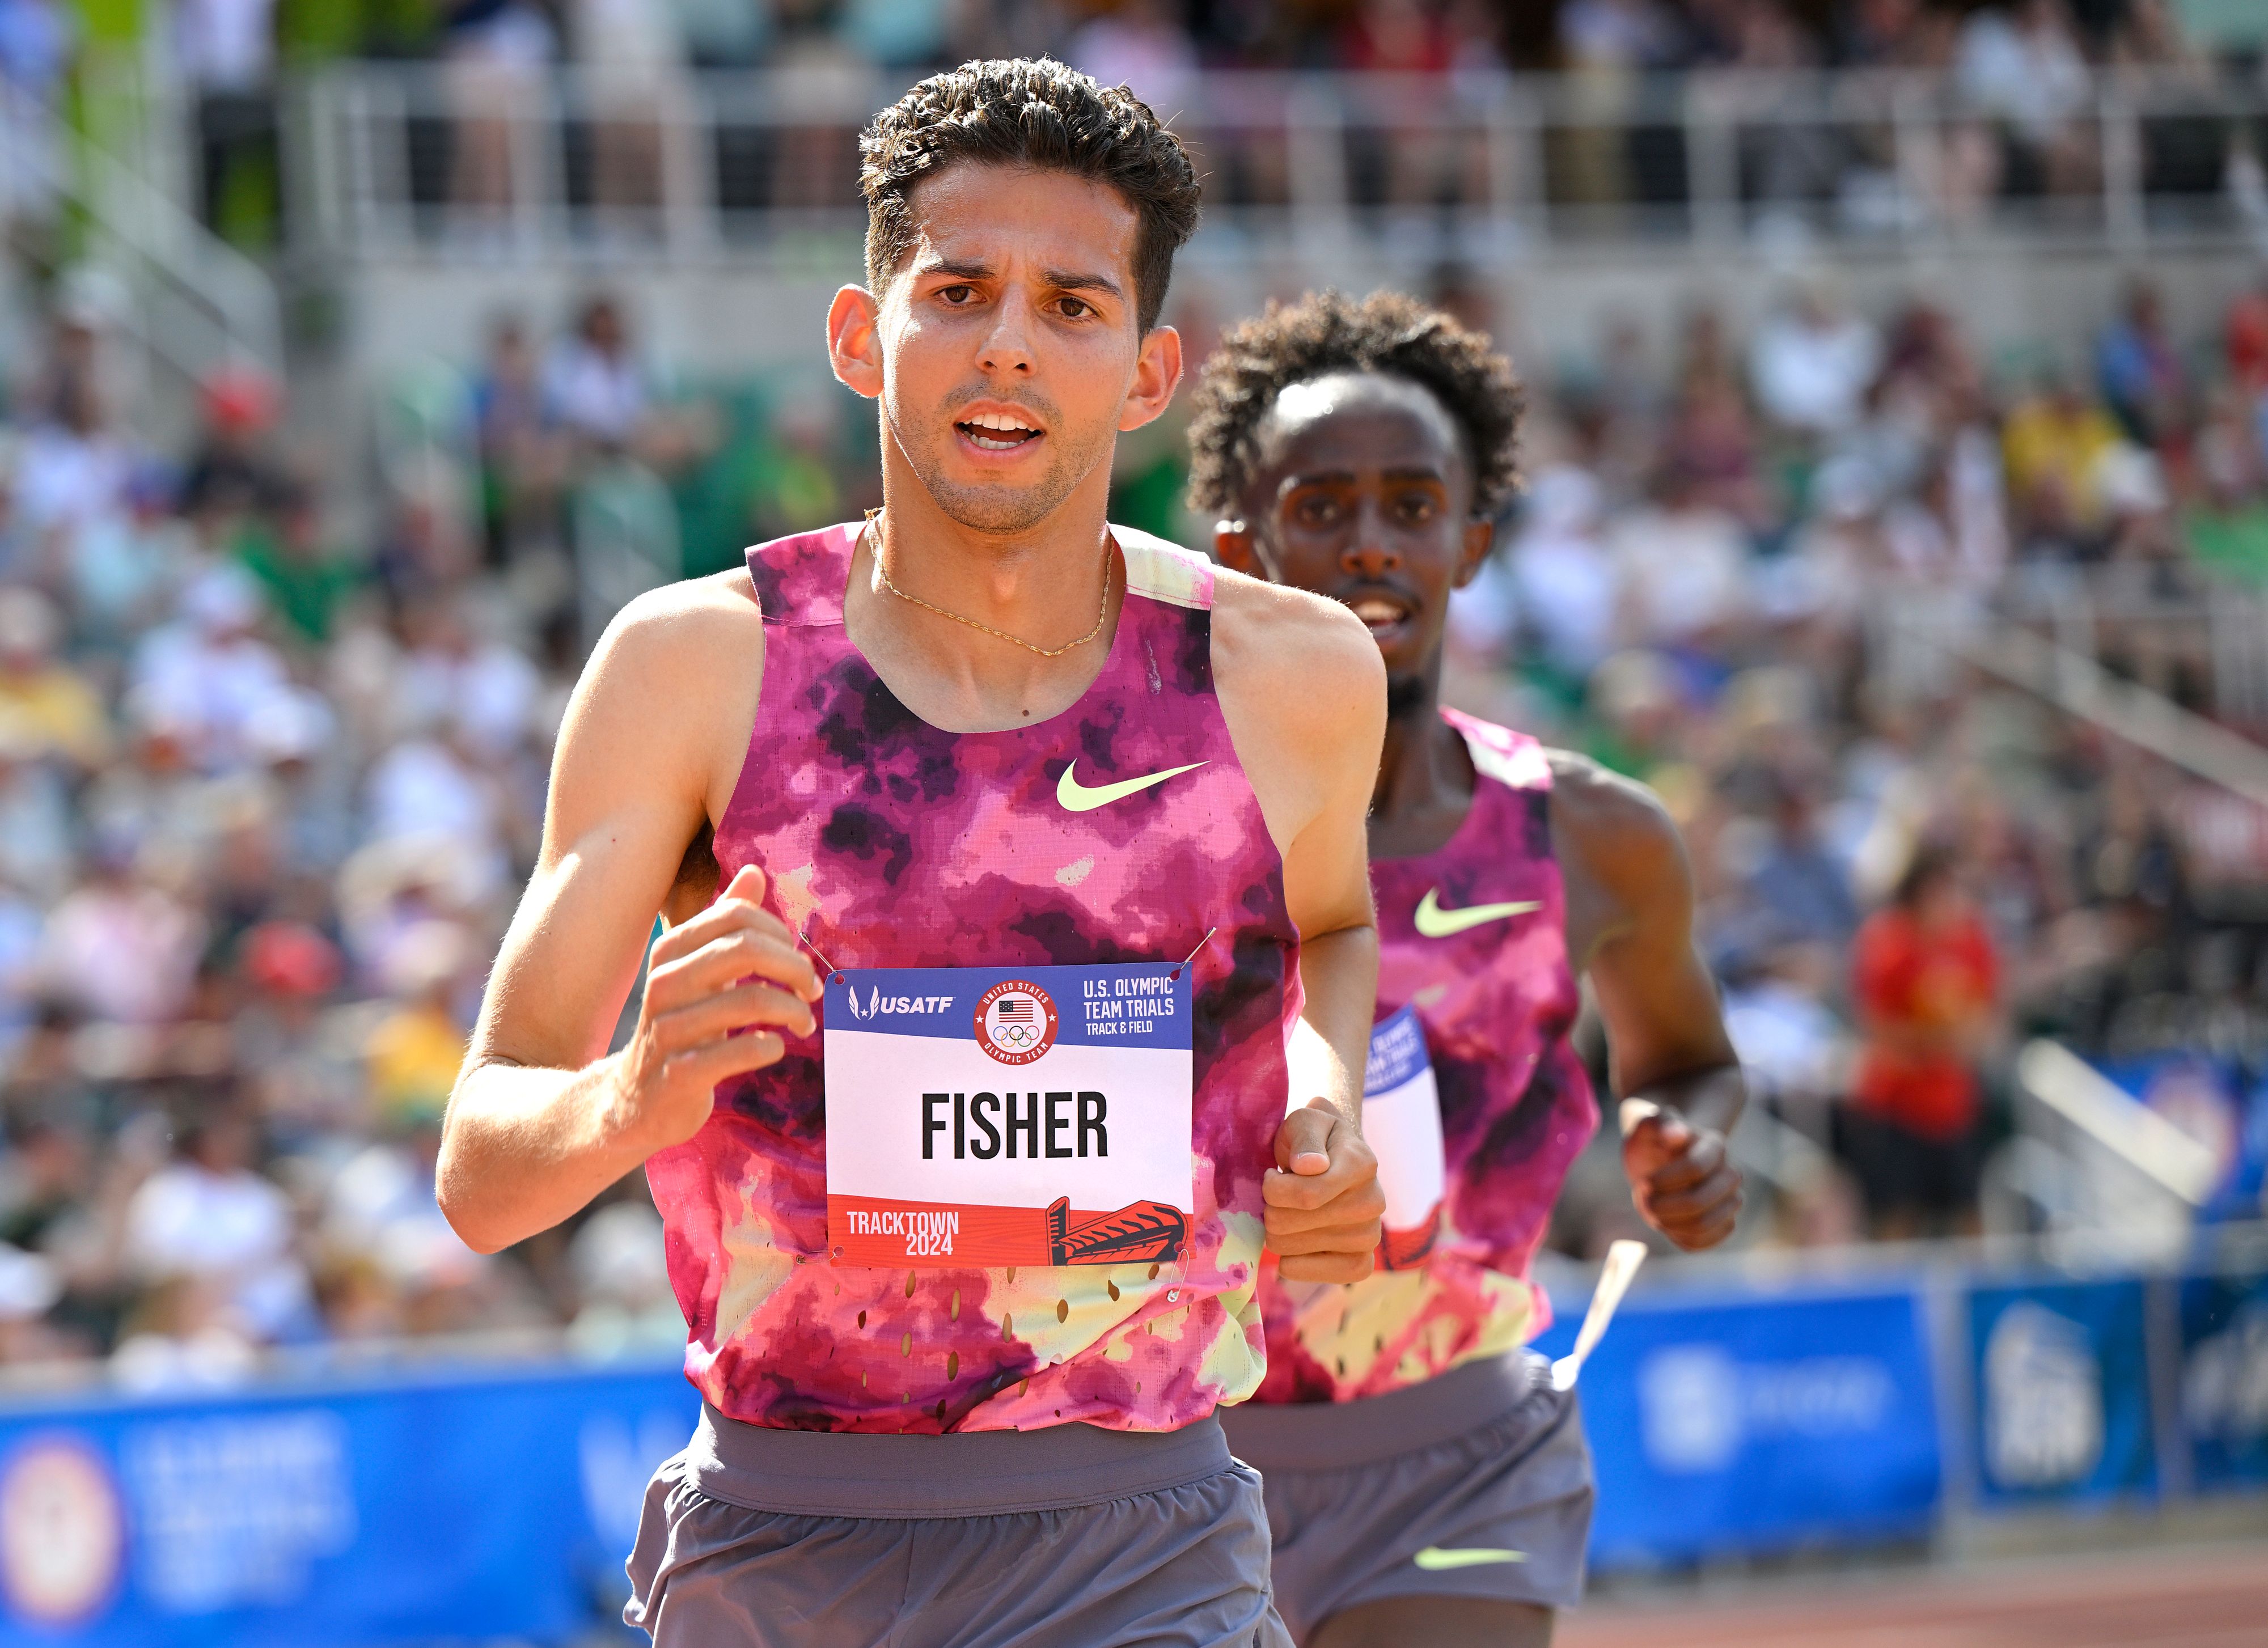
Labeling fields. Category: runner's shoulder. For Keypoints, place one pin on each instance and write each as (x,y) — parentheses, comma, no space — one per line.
(1303,659)
(694,626)
(671,686)
(1618,827)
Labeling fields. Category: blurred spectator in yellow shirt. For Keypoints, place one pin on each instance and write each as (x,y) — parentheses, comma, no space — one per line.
(2054,444)
(47,708)
(414,1050)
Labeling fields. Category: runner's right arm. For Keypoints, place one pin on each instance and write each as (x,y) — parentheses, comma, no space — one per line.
(1671,1062)
(543,1118)
(1303,690)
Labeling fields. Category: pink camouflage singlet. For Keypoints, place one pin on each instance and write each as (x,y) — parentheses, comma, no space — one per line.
(1496,1001)
(891,843)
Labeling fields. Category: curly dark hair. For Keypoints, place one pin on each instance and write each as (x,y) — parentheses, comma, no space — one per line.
(1030,112)
(1329,332)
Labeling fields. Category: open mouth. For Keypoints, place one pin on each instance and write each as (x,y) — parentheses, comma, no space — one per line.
(1382,616)
(997,431)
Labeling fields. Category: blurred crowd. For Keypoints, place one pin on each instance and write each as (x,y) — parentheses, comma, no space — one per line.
(272,754)
(268,791)
(1135,38)
(269,786)
(2026,72)
(1762,573)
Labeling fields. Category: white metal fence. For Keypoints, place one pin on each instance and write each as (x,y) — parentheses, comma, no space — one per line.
(199,305)
(2094,644)
(461,161)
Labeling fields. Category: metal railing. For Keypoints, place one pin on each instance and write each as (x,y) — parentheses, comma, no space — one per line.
(2105,651)
(2128,665)
(442,160)
(2097,1160)
(201,304)
(206,305)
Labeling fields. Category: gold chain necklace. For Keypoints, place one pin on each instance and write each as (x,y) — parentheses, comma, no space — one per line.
(1002,635)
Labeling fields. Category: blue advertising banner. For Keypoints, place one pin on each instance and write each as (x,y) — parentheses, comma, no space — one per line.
(2215,1103)
(467,1504)
(2224,1398)
(2062,1392)
(2246,1194)
(1753,1424)
(454,1504)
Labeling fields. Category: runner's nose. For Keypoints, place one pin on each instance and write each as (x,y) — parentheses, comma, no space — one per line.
(1370,555)
(1007,346)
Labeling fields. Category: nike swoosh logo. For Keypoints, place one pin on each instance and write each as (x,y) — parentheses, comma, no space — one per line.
(1078,797)
(1433,922)
(1433,1559)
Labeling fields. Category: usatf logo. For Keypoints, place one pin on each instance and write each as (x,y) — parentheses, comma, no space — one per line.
(1015,1021)
(878,1004)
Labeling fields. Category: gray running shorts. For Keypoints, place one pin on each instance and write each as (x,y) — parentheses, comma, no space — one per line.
(1071,1537)
(1477,1483)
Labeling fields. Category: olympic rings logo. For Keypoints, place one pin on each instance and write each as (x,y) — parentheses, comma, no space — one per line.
(1016,1021)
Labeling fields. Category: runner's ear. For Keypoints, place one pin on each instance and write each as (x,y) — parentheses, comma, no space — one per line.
(1480,538)
(854,343)
(1234,548)
(1156,374)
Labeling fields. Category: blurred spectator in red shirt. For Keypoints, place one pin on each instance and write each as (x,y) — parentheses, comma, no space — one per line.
(231,475)
(1927,984)
(1395,37)
(2246,339)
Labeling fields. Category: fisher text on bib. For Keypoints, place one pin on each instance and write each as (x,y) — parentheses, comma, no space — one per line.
(1402,1123)
(983,1116)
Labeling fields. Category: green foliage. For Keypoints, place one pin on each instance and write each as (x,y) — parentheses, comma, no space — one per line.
(1149,498)
(109,22)
(785,462)
(316,30)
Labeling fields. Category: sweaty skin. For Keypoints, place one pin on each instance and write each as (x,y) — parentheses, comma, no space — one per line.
(1363,493)
(1016,304)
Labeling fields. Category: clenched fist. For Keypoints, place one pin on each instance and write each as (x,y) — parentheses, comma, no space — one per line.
(1680,1175)
(713,986)
(1324,1206)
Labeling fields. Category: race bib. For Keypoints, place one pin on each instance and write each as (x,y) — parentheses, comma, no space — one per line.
(1007,1115)
(1401,1122)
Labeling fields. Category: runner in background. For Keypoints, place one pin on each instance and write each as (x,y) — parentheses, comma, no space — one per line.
(1424,1484)
(981,733)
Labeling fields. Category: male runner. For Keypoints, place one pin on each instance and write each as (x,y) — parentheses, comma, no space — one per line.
(1424,1484)
(985,731)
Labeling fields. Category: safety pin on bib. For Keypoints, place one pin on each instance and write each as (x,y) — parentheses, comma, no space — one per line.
(804,938)
(1192,955)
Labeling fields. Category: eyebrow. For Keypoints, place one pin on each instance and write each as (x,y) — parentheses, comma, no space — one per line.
(1312,477)
(962,268)
(1069,280)
(1063,280)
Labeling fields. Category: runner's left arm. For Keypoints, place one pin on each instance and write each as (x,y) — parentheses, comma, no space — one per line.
(1670,1060)
(1304,692)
